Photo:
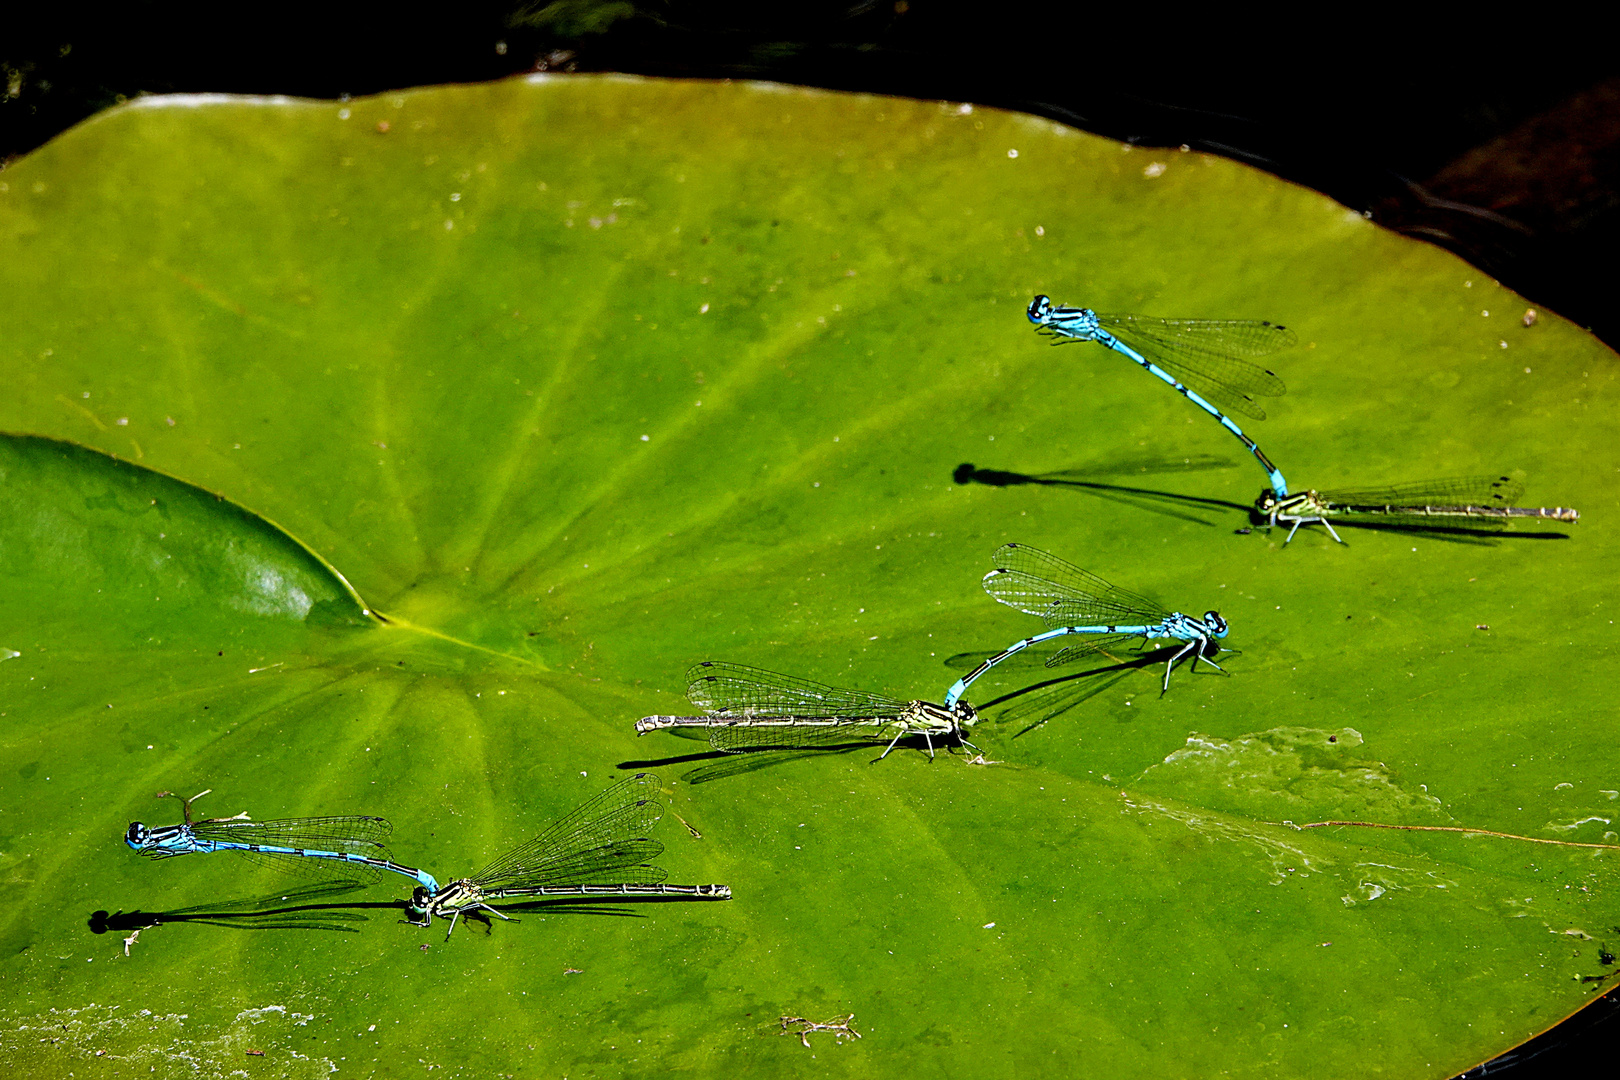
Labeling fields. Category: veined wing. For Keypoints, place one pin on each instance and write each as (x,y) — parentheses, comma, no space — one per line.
(1057,606)
(312,869)
(1061,593)
(739,690)
(1490,491)
(624,862)
(352,835)
(1204,355)
(734,738)
(1248,338)
(1088,645)
(363,836)
(613,826)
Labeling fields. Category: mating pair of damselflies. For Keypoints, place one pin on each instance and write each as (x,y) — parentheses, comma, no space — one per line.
(1207,361)
(603,850)
(750,708)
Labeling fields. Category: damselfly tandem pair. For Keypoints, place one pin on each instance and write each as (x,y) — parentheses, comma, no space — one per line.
(1207,362)
(602,850)
(749,708)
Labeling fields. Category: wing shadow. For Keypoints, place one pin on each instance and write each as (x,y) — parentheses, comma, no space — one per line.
(307,908)
(724,766)
(1167,503)
(1036,705)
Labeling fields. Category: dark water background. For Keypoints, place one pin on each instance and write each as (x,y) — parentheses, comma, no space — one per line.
(1494,136)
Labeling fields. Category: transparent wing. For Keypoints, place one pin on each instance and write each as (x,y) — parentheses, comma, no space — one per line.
(1061,593)
(1487,491)
(738,690)
(624,862)
(1248,338)
(301,866)
(1090,646)
(366,836)
(1204,355)
(734,738)
(603,838)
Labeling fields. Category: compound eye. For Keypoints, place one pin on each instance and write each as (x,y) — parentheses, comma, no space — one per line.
(1039,308)
(136,833)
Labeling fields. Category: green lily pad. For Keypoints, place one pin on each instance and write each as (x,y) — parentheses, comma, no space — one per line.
(393,457)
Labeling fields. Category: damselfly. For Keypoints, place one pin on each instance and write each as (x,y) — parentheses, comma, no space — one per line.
(1075,601)
(353,846)
(1472,502)
(1204,360)
(601,850)
(753,709)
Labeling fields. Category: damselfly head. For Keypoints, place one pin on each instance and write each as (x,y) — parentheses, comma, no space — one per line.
(1267,502)
(965,714)
(136,835)
(1040,309)
(1215,624)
